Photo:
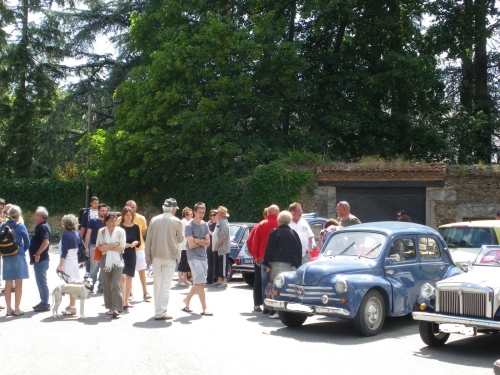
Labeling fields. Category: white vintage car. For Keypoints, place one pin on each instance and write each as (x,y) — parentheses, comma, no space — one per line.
(466,304)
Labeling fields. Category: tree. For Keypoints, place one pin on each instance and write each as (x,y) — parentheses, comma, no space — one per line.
(461,32)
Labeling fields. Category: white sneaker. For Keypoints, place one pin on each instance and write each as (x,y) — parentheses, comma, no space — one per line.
(274,315)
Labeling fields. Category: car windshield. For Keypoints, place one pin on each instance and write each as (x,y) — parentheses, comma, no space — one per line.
(367,244)
(488,256)
(234,231)
(465,236)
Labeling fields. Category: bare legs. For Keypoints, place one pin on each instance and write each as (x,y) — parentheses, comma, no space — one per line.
(196,289)
(8,295)
(142,277)
(126,288)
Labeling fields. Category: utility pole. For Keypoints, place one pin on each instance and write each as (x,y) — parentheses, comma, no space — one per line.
(89,123)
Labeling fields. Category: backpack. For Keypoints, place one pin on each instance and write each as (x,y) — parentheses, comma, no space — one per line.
(8,244)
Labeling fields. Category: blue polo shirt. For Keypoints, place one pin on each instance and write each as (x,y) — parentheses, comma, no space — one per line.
(94,224)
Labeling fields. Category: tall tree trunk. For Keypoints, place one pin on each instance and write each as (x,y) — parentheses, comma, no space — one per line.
(481,58)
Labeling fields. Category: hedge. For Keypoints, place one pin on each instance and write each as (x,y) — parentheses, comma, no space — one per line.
(58,196)
(245,198)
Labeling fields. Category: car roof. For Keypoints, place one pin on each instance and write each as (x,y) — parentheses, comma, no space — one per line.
(242,224)
(474,224)
(392,227)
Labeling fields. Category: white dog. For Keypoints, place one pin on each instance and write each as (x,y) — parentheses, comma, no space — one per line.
(79,291)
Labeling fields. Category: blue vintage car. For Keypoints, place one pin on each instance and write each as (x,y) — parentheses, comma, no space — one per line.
(365,272)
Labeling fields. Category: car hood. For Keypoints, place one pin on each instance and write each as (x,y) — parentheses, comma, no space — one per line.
(311,273)
(477,275)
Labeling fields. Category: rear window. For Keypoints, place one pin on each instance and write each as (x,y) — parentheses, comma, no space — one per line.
(468,237)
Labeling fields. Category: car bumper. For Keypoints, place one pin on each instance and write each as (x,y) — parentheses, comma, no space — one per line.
(305,309)
(243,268)
(446,319)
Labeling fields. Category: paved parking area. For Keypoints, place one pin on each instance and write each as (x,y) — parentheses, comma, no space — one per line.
(234,340)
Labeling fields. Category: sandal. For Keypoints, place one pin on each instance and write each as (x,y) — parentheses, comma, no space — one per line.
(207,313)
(9,313)
(18,313)
(69,311)
(116,314)
(186,309)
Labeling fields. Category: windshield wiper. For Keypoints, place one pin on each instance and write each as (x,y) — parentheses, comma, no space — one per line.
(375,248)
(343,251)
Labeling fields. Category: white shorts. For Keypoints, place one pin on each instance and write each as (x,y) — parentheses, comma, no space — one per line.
(140,262)
(199,270)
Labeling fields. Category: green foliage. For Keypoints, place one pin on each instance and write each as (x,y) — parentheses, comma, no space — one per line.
(245,198)
(58,196)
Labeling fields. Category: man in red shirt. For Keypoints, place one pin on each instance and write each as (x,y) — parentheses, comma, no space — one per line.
(257,286)
(259,244)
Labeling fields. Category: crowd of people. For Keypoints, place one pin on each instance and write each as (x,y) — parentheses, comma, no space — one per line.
(115,245)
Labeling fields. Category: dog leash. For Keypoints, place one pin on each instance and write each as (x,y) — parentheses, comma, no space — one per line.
(63,275)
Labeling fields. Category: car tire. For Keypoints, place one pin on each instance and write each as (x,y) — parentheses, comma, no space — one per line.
(371,315)
(496,367)
(429,332)
(291,319)
(229,271)
(248,277)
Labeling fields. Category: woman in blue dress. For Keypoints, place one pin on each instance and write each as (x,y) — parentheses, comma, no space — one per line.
(15,267)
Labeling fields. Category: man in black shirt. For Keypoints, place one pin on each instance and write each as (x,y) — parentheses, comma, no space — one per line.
(39,256)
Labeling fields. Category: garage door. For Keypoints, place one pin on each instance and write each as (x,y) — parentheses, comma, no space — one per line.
(382,204)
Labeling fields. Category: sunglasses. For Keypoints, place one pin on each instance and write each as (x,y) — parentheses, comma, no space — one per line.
(213,214)
(400,215)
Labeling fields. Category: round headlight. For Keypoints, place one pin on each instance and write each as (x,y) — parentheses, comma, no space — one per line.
(341,286)
(427,290)
(279,281)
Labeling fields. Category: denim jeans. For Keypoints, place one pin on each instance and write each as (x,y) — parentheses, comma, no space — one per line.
(264,277)
(94,268)
(40,269)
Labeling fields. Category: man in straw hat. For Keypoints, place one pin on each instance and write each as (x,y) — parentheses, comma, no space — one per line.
(221,244)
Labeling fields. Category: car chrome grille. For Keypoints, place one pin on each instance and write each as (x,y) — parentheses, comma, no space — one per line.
(308,292)
(466,302)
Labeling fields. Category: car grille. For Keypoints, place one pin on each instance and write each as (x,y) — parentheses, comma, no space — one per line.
(308,292)
(466,302)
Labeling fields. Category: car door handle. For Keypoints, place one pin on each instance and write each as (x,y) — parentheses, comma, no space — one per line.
(441,268)
(390,272)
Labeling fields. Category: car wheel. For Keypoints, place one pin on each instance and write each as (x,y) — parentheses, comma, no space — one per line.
(248,277)
(371,315)
(291,319)
(229,271)
(429,332)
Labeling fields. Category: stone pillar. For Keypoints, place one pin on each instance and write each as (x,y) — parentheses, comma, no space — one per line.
(432,196)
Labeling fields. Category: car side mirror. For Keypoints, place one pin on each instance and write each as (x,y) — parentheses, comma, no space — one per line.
(394,258)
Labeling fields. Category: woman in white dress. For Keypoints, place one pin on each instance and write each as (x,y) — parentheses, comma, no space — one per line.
(69,256)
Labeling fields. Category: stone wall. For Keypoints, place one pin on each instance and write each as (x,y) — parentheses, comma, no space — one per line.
(467,195)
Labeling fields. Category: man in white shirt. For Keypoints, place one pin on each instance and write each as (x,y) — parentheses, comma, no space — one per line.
(303,229)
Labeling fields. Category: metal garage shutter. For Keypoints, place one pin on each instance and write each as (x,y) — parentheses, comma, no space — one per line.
(382,204)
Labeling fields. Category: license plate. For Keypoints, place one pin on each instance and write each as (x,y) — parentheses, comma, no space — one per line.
(457,328)
(247,261)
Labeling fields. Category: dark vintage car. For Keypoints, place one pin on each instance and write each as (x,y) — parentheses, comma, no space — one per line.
(364,273)
(465,304)
(239,233)
(244,263)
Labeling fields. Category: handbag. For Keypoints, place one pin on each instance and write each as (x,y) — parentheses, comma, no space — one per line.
(268,291)
(82,251)
(97,252)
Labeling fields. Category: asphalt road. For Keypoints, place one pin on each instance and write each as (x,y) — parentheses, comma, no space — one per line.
(235,340)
